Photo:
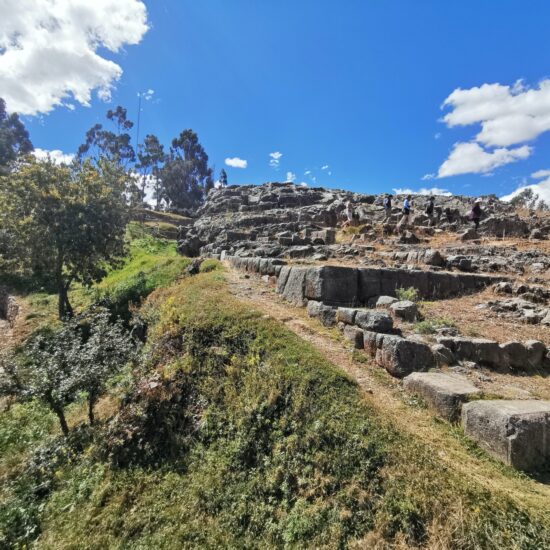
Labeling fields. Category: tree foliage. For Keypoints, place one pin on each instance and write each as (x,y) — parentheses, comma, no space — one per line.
(185,176)
(14,138)
(68,223)
(151,158)
(114,146)
(79,357)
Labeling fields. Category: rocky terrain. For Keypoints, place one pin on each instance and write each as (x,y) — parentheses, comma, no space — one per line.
(380,284)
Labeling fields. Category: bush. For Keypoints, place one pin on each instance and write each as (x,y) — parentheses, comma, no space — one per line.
(410,294)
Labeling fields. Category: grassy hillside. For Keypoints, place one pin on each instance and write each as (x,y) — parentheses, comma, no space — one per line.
(236,433)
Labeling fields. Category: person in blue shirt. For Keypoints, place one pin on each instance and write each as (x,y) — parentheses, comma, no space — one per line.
(404,222)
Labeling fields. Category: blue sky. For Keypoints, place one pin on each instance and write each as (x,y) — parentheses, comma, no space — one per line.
(356,86)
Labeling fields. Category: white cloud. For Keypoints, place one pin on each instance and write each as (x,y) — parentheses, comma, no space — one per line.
(307,172)
(540,174)
(49,50)
(426,177)
(542,188)
(57,156)
(275,159)
(236,162)
(422,191)
(437,135)
(508,114)
(303,184)
(148,95)
(471,158)
(290,177)
(325,167)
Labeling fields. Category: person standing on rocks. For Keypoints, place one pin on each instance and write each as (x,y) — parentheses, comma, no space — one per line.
(349,214)
(430,210)
(387,208)
(475,213)
(404,221)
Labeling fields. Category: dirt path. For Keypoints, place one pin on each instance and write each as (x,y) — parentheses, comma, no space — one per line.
(385,394)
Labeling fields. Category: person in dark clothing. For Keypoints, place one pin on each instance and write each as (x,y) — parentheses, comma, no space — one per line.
(430,210)
(387,208)
(475,214)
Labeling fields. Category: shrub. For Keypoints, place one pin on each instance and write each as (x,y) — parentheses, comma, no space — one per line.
(410,294)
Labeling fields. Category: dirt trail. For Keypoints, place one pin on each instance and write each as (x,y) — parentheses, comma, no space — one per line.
(385,394)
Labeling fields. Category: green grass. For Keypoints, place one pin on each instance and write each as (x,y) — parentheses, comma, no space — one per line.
(430,326)
(245,436)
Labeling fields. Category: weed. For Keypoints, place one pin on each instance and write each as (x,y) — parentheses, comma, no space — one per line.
(410,294)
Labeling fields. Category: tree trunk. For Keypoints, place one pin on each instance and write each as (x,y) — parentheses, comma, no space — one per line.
(65,309)
(62,421)
(91,402)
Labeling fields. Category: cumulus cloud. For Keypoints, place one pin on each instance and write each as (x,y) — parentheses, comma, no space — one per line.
(325,167)
(541,188)
(422,191)
(307,172)
(471,158)
(236,162)
(49,50)
(57,156)
(275,159)
(506,115)
(290,177)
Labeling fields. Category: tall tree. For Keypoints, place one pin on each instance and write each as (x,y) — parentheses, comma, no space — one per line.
(223,178)
(69,222)
(115,146)
(185,175)
(14,138)
(151,157)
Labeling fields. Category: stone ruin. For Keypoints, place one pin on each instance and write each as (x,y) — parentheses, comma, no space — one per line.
(287,234)
(283,220)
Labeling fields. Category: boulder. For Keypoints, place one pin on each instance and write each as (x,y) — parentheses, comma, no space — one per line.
(405,310)
(332,285)
(434,257)
(354,335)
(478,350)
(294,288)
(515,432)
(443,392)
(469,235)
(375,321)
(399,356)
(346,315)
(443,355)
(385,301)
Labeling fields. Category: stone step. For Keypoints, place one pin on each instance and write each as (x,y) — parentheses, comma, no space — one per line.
(513,431)
(445,393)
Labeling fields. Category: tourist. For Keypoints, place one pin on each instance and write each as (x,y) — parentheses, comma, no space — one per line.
(349,214)
(430,210)
(475,213)
(404,222)
(387,207)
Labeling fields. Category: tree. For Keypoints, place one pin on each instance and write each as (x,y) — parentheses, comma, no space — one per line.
(79,357)
(69,222)
(185,175)
(43,375)
(99,355)
(151,158)
(14,138)
(223,178)
(114,146)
